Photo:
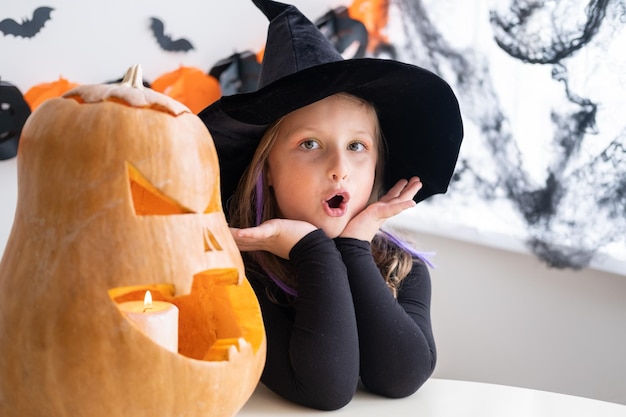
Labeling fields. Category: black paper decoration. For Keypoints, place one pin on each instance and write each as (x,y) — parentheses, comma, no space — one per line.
(13,114)
(28,27)
(165,41)
(348,36)
(239,73)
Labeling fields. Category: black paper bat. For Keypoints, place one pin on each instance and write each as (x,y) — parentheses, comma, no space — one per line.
(28,28)
(165,41)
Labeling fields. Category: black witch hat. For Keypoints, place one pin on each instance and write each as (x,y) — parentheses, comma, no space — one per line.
(418,112)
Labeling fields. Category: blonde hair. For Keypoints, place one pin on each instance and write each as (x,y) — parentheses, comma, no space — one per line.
(254,202)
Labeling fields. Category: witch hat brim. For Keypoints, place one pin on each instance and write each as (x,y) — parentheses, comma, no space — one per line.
(418,111)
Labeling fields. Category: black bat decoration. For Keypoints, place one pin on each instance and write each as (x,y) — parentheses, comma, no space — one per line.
(165,41)
(28,28)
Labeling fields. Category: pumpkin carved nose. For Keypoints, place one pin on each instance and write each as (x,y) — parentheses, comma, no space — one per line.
(210,241)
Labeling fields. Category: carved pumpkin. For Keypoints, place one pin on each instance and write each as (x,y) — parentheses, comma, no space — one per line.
(118,193)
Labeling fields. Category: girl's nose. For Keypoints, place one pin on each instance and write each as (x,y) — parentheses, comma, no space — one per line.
(339,167)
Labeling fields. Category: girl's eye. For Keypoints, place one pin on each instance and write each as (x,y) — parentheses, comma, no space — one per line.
(357,146)
(310,144)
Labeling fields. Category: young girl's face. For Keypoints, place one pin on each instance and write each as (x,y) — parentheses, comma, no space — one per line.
(322,165)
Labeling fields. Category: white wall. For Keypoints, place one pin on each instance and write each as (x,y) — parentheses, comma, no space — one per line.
(8,198)
(500,316)
(504,317)
(93,42)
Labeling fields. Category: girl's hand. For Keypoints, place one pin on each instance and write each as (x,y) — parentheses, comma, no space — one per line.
(399,198)
(277,236)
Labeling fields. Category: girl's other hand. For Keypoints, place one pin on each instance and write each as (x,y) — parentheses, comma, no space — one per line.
(277,236)
(399,198)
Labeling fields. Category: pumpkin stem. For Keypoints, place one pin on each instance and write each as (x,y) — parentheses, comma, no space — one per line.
(133,77)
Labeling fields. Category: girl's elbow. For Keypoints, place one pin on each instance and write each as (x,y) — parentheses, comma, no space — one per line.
(333,403)
(400,384)
(398,389)
(329,398)
(326,394)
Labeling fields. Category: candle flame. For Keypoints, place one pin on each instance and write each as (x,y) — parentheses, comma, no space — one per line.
(147,299)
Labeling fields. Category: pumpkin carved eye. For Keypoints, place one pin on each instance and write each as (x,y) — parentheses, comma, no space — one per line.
(148,200)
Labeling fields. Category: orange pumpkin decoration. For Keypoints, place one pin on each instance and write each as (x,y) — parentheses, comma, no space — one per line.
(118,192)
(41,92)
(374,14)
(190,86)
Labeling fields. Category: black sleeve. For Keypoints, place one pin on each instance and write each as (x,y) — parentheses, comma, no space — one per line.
(312,354)
(396,343)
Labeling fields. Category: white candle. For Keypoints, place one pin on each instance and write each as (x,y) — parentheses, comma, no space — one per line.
(156,319)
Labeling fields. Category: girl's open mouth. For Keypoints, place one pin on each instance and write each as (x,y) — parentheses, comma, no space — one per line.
(335,201)
(336,205)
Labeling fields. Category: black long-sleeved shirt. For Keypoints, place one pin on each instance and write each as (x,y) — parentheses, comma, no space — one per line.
(345,324)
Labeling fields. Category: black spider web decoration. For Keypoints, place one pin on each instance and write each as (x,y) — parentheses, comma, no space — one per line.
(579,207)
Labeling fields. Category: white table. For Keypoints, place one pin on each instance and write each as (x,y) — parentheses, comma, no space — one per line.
(446,398)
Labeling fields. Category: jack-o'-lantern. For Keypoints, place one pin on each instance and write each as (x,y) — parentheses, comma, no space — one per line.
(118,193)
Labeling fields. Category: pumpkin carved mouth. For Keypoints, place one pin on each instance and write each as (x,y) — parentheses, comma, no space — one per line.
(212,323)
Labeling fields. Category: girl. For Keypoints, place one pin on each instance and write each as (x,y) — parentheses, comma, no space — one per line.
(312,164)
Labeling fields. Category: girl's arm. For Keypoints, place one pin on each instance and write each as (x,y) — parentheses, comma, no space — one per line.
(312,355)
(395,336)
